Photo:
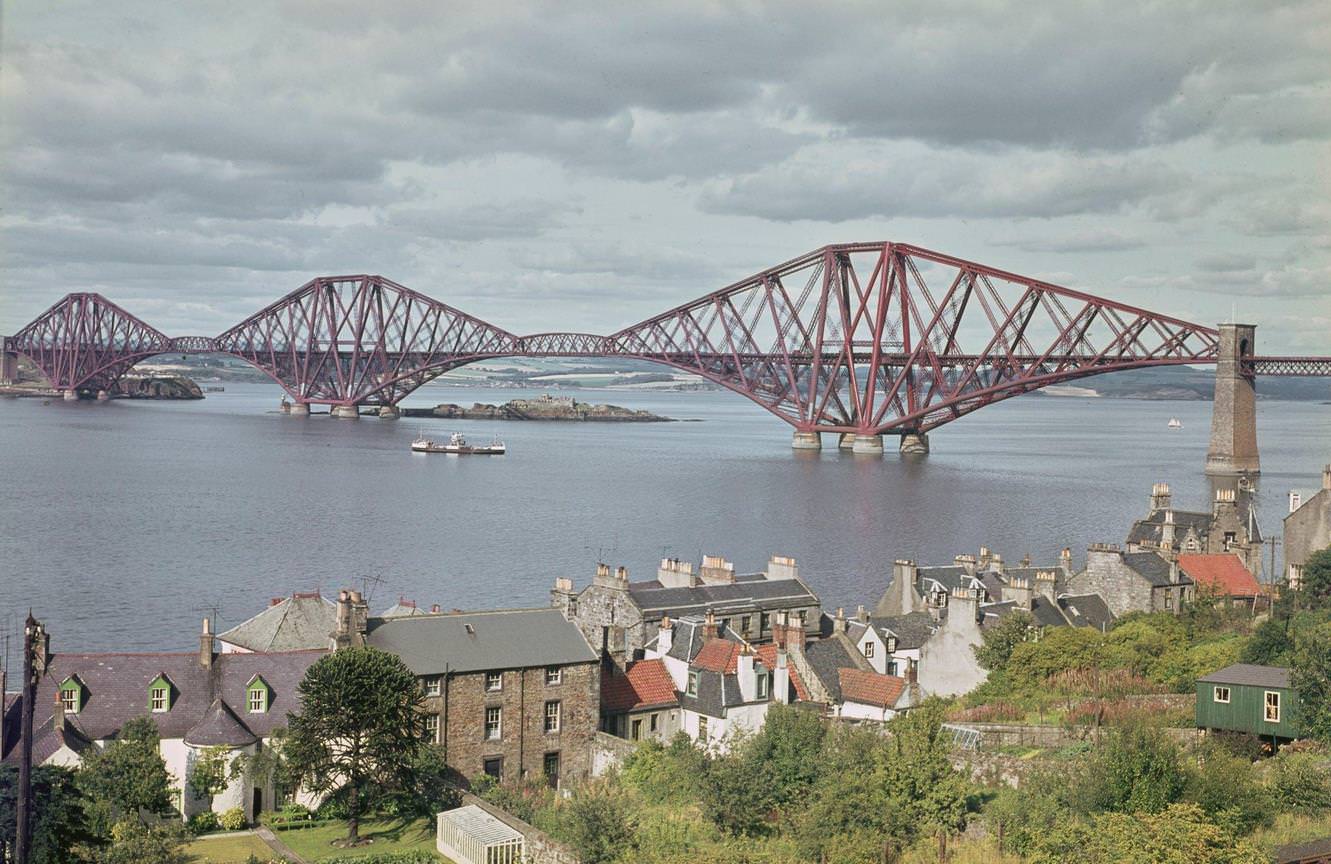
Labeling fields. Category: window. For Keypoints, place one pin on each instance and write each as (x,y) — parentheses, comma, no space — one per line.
(432,727)
(702,728)
(1230,539)
(71,695)
(258,700)
(1272,713)
(692,686)
(550,766)
(868,649)
(494,682)
(553,675)
(1221,694)
(744,623)
(764,622)
(1169,600)
(652,722)
(159,695)
(636,734)
(763,686)
(572,606)
(493,722)
(891,667)
(158,699)
(551,717)
(434,686)
(493,767)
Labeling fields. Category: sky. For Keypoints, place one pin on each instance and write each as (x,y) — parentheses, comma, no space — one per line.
(582,166)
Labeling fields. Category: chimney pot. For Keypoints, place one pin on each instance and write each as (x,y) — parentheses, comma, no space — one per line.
(1326,477)
(434,608)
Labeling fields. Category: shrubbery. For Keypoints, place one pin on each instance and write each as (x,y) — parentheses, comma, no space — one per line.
(202,823)
(233,819)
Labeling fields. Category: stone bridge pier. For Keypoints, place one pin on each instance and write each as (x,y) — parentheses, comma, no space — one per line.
(8,367)
(1233,449)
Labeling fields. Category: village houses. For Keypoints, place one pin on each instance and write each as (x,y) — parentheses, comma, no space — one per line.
(1307,527)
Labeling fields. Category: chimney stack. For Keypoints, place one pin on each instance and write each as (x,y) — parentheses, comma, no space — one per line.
(1296,500)
(1065,560)
(665,636)
(434,609)
(782,567)
(1160,497)
(912,672)
(674,573)
(205,645)
(58,714)
(1326,477)
(716,570)
(1167,530)
(709,625)
(788,631)
(839,622)
(861,614)
(351,620)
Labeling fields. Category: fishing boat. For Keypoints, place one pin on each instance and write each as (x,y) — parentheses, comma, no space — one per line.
(1175,423)
(459,446)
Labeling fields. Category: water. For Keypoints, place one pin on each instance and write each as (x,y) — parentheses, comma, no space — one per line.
(125,522)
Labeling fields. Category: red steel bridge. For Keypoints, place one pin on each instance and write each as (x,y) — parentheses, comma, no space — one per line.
(860,339)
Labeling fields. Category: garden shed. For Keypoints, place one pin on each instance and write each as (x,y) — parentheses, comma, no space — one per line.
(470,835)
(1259,700)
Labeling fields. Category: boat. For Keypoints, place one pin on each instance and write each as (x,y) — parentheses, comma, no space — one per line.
(459,446)
(214,389)
(1175,423)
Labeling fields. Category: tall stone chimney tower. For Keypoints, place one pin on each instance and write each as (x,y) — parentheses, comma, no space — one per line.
(1233,449)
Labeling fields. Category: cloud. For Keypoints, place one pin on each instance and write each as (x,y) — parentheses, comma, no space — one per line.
(1097,240)
(1222,277)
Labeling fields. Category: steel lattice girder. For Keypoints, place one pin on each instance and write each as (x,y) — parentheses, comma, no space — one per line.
(865,338)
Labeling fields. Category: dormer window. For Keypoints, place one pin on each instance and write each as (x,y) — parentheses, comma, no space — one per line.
(258,695)
(763,686)
(693,684)
(71,695)
(868,649)
(159,695)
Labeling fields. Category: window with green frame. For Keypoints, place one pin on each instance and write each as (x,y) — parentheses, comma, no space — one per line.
(258,695)
(160,694)
(71,695)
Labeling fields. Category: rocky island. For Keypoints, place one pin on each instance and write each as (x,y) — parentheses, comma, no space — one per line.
(544,408)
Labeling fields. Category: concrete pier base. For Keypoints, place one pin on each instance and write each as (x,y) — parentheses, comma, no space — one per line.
(915,444)
(8,368)
(347,412)
(103,396)
(846,441)
(70,395)
(1233,448)
(389,412)
(299,409)
(807,441)
(868,445)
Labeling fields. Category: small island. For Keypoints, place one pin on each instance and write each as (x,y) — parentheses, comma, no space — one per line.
(544,408)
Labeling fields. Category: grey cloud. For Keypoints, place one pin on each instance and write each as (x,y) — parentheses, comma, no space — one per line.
(1104,240)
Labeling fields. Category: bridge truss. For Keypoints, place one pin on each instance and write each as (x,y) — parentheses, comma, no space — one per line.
(861,338)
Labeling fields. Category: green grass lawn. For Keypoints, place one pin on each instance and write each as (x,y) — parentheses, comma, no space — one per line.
(228,850)
(389,835)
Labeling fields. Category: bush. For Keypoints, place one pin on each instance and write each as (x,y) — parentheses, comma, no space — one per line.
(202,823)
(418,856)
(233,819)
(332,808)
(1300,782)
(290,814)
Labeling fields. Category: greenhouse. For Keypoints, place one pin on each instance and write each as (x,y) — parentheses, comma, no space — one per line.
(469,835)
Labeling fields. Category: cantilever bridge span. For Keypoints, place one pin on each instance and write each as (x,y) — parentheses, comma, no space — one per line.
(860,339)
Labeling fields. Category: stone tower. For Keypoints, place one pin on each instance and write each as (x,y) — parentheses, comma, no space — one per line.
(1233,447)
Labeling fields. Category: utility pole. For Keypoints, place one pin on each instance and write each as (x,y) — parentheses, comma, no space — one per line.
(34,664)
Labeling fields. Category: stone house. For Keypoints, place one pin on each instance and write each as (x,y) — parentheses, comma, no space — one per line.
(1133,581)
(640,702)
(1230,526)
(197,700)
(1307,528)
(511,693)
(838,674)
(618,617)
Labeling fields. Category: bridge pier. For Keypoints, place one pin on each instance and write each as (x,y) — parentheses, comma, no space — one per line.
(1233,448)
(70,395)
(915,444)
(299,409)
(806,441)
(389,412)
(347,412)
(868,445)
(8,368)
(103,396)
(846,441)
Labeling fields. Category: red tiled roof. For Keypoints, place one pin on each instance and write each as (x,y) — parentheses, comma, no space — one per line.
(767,654)
(870,688)
(644,683)
(1222,574)
(718,655)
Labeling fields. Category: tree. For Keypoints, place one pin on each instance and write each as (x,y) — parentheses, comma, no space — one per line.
(360,730)
(735,794)
(922,789)
(1315,580)
(128,779)
(1138,771)
(1311,675)
(998,642)
(785,752)
(214,770)
(135,843)
(1180,835)
(1270,644)
(59,826)
(600,826)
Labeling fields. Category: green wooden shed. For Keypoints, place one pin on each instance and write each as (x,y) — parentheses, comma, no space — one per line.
(1246,698)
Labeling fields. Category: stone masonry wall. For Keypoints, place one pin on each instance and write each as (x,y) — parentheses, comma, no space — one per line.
(523,743)
(1108,576)
(1308,529)
(609,619)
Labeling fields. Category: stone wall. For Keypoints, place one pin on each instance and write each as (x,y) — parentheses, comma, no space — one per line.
(541,848)
(606,615)
(1123,589)
(996,735)
(524,742)
(1308,529)
(610,751)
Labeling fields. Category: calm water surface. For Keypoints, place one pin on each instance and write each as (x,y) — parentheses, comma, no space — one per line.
(124,522)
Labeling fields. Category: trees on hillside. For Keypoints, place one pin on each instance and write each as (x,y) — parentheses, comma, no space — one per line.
(128,780)
(999,641)
(59,826)
(360,732)
(1315,581)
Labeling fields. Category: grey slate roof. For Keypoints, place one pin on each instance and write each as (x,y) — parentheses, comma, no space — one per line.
(116,689)
(826,657)
(1250,675)
(401,609)
(1149,530)
(687,640)
(912,629)
(1086,610)
(745,594)
(476,641)
(297,623)
(219,726)
(949,577)
(1152,568)
(1047,613)
(711,696)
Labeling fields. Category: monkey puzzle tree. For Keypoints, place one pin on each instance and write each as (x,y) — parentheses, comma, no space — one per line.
(360,730)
